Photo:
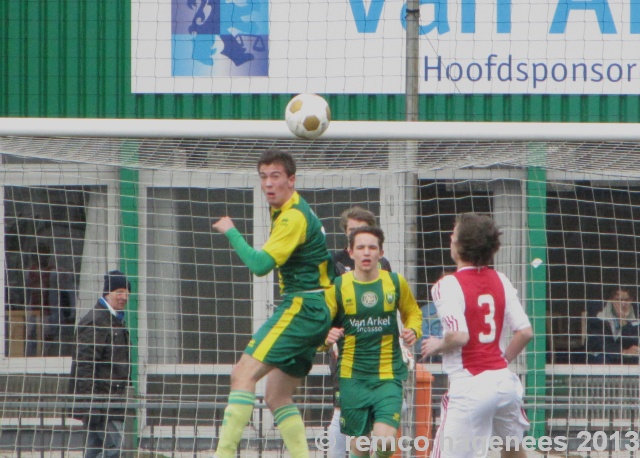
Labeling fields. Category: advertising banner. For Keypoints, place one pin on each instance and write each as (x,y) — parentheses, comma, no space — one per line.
(358,46)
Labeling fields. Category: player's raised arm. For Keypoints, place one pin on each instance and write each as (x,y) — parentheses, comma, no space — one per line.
(259,262)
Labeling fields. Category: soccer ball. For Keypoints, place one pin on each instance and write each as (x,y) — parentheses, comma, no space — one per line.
(307,115)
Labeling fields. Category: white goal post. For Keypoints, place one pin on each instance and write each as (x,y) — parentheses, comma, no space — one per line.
(338,130)
(81,196)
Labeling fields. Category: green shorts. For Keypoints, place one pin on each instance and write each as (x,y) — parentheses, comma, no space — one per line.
(289,339)
(365,402)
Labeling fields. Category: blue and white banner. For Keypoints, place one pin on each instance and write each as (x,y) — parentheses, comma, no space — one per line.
(358,46)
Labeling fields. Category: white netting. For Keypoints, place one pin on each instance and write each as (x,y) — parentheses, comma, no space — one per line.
(237,155)
(75,207)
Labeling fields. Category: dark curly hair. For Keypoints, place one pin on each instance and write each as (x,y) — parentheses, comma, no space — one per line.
(478,238)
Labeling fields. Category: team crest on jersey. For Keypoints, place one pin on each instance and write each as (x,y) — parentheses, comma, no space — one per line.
(389,297)
(369,299)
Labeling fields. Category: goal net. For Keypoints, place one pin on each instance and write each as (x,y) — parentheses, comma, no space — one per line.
(143,200)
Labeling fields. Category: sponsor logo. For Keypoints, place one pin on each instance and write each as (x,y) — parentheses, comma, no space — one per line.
(220,38)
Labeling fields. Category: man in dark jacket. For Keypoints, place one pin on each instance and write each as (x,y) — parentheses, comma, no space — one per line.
(101,367)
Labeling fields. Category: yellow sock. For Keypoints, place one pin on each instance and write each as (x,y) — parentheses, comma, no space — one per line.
(236,416)
(292,430)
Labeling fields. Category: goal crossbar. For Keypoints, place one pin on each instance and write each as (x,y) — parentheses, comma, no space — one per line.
(338,130)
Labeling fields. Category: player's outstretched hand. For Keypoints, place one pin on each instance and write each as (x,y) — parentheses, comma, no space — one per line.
(223,225)
(334,335)
(431,346)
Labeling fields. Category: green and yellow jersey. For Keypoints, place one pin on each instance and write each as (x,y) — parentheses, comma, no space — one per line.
(370,348)
(298,246)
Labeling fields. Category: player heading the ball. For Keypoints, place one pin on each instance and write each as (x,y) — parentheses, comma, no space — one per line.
(285,345)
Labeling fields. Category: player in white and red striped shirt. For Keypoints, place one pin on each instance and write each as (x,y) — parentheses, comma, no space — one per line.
(476,304)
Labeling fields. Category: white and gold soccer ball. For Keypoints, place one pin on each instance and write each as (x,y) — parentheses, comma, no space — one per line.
(307,115)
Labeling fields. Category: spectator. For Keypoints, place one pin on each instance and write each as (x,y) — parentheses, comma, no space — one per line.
(101,368)
(613,332)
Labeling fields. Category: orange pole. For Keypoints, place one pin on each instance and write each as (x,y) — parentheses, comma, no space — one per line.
(424,381)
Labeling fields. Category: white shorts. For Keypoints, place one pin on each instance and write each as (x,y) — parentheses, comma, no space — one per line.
(479,409)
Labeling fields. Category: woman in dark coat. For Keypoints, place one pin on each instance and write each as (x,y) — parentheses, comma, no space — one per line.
(613,333)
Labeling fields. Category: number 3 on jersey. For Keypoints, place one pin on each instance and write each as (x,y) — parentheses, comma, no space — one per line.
(487,304)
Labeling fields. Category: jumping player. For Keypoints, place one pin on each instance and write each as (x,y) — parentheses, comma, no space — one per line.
(474,305)
(285,345)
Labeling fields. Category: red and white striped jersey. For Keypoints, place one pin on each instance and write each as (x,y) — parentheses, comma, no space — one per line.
(482,302)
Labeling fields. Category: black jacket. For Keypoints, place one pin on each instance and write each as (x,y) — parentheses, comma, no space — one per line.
(101,364)
(603,348)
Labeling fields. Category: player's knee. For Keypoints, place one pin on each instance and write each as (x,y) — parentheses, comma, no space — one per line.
(275,400)
(271,401)
(239,374)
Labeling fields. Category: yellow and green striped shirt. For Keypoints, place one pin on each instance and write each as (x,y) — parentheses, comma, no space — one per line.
(368,313)
(298,246)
